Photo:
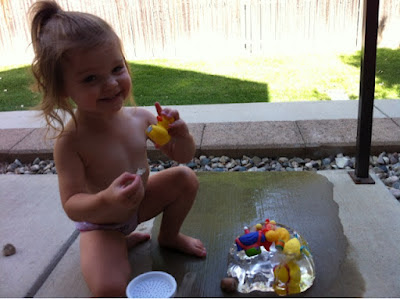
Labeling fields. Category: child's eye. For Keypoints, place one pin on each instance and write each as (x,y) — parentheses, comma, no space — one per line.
(89,79)
(118,69)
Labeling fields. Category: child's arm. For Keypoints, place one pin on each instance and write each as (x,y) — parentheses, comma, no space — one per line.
(181,147)
(111,205)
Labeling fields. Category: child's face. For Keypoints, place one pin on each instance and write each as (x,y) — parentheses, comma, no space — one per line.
(97,80)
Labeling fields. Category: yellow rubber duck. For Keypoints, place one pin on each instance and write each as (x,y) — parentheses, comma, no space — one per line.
(159,133)
(287,279)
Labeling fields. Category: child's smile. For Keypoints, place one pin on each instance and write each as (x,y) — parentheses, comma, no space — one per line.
(118,97)
(111,98)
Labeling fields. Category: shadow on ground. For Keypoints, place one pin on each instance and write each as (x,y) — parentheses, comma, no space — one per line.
(172,86)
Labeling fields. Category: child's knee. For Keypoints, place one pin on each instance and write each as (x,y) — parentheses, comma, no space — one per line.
(188,178)
(109,283)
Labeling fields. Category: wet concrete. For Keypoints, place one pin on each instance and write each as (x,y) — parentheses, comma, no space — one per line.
(227,202)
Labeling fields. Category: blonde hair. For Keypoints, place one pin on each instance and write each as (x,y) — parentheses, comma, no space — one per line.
(55,33)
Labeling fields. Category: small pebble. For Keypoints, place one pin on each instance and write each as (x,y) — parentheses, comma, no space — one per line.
(395,192)
(229,284)
(9,249)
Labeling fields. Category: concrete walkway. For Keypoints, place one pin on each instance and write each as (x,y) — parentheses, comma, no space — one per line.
(47,260)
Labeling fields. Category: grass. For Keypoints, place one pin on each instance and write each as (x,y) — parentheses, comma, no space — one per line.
(15,93)
(278,78)
(387,79)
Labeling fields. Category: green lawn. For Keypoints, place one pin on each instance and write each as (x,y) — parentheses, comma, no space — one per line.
(278,78)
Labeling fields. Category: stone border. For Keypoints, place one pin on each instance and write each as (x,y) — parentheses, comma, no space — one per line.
(312,138)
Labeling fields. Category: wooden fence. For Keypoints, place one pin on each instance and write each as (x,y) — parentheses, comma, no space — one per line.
(177,28)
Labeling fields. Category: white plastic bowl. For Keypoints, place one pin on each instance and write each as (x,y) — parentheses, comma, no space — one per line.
(155,284)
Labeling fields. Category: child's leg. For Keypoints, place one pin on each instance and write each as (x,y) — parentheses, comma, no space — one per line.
(172,192)
(104,262)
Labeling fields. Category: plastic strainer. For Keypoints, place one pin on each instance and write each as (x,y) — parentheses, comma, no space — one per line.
(154,284)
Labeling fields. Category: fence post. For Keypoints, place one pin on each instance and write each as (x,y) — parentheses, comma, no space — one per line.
(367,90)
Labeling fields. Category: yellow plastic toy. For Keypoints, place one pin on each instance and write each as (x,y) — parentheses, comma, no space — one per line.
(280,233)
(287,278)
(292,247)
(159,133)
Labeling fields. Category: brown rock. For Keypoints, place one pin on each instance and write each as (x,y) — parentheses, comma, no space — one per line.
(9,249)
(229,284)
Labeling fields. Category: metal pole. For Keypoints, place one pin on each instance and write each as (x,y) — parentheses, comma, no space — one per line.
(367,90)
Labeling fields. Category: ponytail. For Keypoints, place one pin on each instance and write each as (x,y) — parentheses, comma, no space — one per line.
(41,12)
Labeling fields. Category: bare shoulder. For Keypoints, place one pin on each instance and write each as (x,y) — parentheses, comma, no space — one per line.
(142,113)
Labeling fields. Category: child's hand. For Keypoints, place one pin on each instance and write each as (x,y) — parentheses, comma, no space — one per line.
(178,127)
(182,147)
(127,190)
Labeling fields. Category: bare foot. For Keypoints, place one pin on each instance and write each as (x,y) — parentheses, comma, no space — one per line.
(136,238)
(184,244)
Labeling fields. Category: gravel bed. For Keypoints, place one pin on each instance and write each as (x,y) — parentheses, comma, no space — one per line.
(386,166)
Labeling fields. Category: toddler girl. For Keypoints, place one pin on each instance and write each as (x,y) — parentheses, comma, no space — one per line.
(79,63)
